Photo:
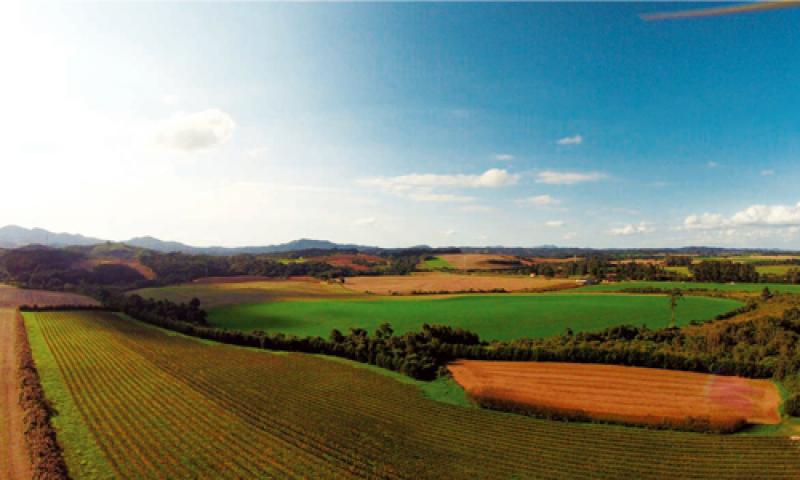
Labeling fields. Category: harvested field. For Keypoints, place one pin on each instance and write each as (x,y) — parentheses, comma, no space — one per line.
(436,282)
(250,290)
(201,410)
(642,396)
(359,262)
(13,297)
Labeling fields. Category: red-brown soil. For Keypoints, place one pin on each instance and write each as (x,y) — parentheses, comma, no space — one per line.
(451,282)
(13,297)
(14,461)
(621,394)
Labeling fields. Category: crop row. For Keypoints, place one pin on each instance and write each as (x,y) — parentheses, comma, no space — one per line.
(162,405)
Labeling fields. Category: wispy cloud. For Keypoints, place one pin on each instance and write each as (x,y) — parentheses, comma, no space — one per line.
(631,229)
(712,164)
(504,157)
(554,223)
(189,132)
(767,173)
(573,140)
(539,200)
(494,177)
(365,222)
(569,178)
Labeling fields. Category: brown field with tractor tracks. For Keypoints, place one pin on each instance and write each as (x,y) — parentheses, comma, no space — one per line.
(12,297)
(633,395)
(436,282)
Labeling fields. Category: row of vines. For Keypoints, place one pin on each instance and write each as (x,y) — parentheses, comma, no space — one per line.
(162,405)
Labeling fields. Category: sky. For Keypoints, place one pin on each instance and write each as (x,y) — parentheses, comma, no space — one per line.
(574,124)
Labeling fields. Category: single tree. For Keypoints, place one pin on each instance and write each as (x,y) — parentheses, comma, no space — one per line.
(674,295)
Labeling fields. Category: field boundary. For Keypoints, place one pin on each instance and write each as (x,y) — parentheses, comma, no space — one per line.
(46,454)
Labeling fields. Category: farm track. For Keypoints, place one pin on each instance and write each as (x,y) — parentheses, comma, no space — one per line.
(14,461)
(231,412)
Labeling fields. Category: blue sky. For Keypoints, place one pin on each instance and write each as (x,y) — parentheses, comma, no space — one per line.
(401,124)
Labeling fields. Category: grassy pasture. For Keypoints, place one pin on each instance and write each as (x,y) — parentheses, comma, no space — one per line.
(435,263)
(724,287)
(500,317)
(156,405)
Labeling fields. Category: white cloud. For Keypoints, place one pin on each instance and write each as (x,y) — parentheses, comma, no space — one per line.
(189,132)
(476,208)
(706,221)
(631,229)
(569,178)
(439,197)
(494,177)
(170,100)
(767,173)
(256,153)
(573,140)
(754,215)
(569,236)
(539,200)
(365,222)
(712,164)
(449,232)
(504,157)
(554,223)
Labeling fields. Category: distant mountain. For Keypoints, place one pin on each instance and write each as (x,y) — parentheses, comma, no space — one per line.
(295,245)
(12,236)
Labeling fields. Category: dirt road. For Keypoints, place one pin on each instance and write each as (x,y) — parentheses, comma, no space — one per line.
(14,464)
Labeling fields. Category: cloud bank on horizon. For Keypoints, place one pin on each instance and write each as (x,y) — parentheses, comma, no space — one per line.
(262,123)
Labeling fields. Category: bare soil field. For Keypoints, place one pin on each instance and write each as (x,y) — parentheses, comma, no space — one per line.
(435,282)
(13,297)
(14,462)
(620,394)
(359,262)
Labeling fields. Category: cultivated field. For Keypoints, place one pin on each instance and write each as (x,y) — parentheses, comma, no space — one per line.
(724,287)
(13,297)
(136,402)
(220,291)
(500,317)
(643,396)
(450,282)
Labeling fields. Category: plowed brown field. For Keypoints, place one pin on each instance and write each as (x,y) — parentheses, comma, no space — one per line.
(621,394)
(13,297)
(451,282)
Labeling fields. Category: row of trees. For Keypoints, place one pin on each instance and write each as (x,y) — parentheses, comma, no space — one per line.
(416,354)
(724,271)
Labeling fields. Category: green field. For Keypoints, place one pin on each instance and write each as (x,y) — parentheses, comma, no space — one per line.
(436,263)
(775,269)
(679,269)
(135,401)
(724,287)
(500,317)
